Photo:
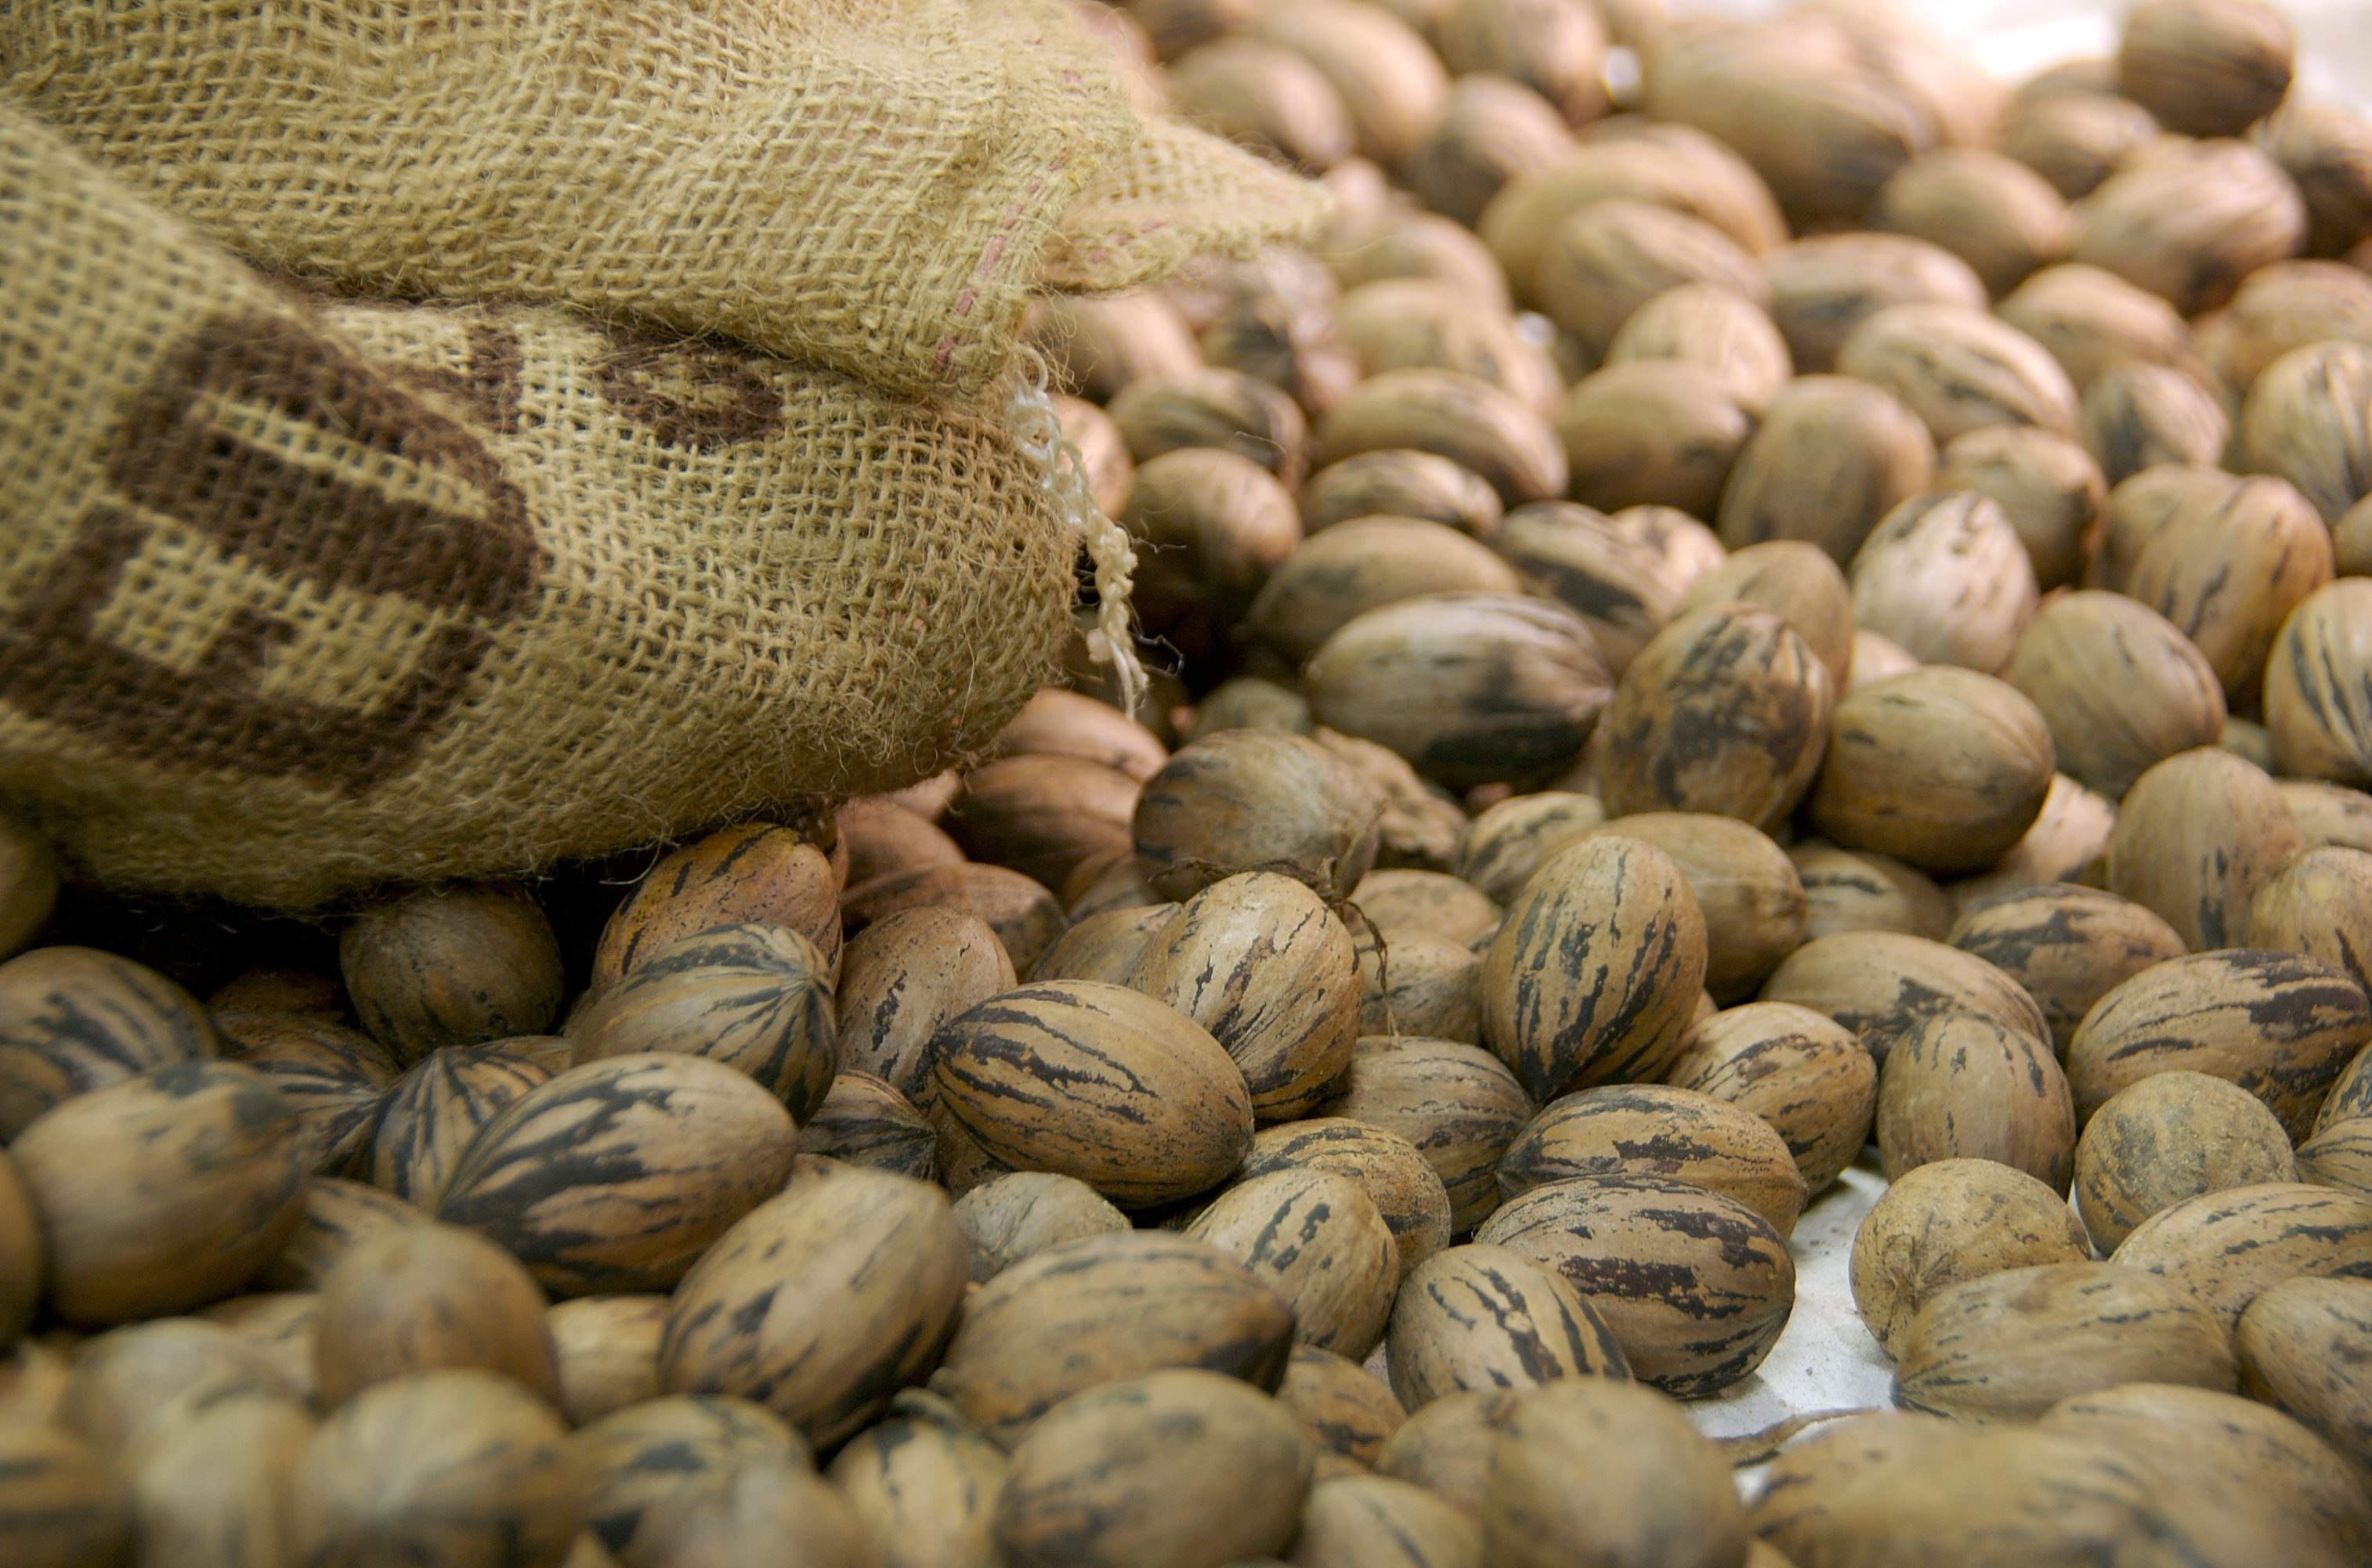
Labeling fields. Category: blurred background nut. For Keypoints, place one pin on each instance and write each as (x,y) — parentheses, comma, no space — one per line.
(2090,318)
(1266,96)
(2229,571)
(1460,417)
(1362,565)
(2075,140)
(2049,488)
(1824,285)
(1994,213)
(1272,319)
(1708,326)
(2189,222)
(2135,417)
(1411,244)
(1655,432)
(1225,409)
(1097,346)
(1620,573)
(2329,152)
(1420,323)
(1819,119)
(1490,131)
(2205,67)
(1400,483)
(1212,526)
(1831,458)
(2286,305)
(1557,48)
(1796,582)
(2141,507)
(1944,578)
(1103,448)
(1667,166)
(2309,420)
(1959,369)
(2316,686)
(1613,256)
(1391,85)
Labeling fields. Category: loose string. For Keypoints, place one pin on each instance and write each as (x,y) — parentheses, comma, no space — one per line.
(1063,476)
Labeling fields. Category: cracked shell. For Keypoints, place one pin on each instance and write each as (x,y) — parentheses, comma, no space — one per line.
(1947,1221)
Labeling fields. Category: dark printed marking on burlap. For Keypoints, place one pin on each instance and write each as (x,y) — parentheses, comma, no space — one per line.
(689,394)
(311,469)
(489,384)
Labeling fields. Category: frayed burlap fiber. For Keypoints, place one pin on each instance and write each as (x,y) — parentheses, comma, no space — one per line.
(638,451)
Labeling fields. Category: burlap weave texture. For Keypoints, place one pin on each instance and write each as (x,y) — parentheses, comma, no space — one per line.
(297,597)
(873,185)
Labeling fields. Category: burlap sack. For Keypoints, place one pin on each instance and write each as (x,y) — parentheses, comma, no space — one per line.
(296,596)
(875,185)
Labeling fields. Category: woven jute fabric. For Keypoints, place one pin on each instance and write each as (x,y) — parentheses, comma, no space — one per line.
(872,185)
(298,595)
